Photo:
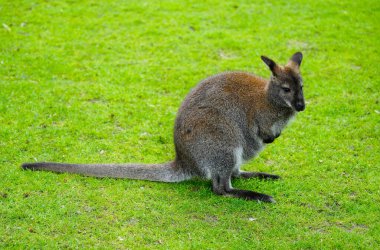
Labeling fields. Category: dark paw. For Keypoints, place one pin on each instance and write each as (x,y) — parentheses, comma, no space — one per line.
(268,176)
(259,175)
(268,139)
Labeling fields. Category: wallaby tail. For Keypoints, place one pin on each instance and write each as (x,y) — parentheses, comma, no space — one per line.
(166,172)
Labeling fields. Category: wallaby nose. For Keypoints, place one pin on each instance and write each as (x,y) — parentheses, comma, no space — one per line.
(300,106)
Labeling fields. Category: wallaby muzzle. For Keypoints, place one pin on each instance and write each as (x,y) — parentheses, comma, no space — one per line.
(299,102)
(300,106)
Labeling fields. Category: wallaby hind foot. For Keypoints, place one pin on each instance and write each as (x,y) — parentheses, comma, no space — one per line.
(222,186)
(250,195)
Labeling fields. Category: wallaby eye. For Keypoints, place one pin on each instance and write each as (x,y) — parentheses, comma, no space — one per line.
(286,89)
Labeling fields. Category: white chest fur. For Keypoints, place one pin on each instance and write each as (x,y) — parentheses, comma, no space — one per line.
(278,126)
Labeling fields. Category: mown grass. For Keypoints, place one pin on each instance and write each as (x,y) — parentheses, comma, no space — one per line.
(90,81)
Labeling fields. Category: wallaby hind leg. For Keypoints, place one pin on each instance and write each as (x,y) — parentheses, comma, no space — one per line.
(259,175)
(222,186)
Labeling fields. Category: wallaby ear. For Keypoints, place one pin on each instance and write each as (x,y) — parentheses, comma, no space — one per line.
(295,61)
(271,64)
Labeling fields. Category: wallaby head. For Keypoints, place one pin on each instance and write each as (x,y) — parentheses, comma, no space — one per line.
(285,85)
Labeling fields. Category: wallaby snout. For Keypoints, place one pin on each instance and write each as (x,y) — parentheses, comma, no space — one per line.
(300,106)
(300,101)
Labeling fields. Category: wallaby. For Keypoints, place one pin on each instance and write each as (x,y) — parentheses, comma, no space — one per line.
(225,120)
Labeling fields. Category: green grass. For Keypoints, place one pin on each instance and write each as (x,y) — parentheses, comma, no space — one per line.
(90,81)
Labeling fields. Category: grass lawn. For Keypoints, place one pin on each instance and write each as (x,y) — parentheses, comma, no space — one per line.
(101,81)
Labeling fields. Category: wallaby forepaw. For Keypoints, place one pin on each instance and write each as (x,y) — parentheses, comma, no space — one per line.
(259,175)
(271,176)
(266,176)
(268,140)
